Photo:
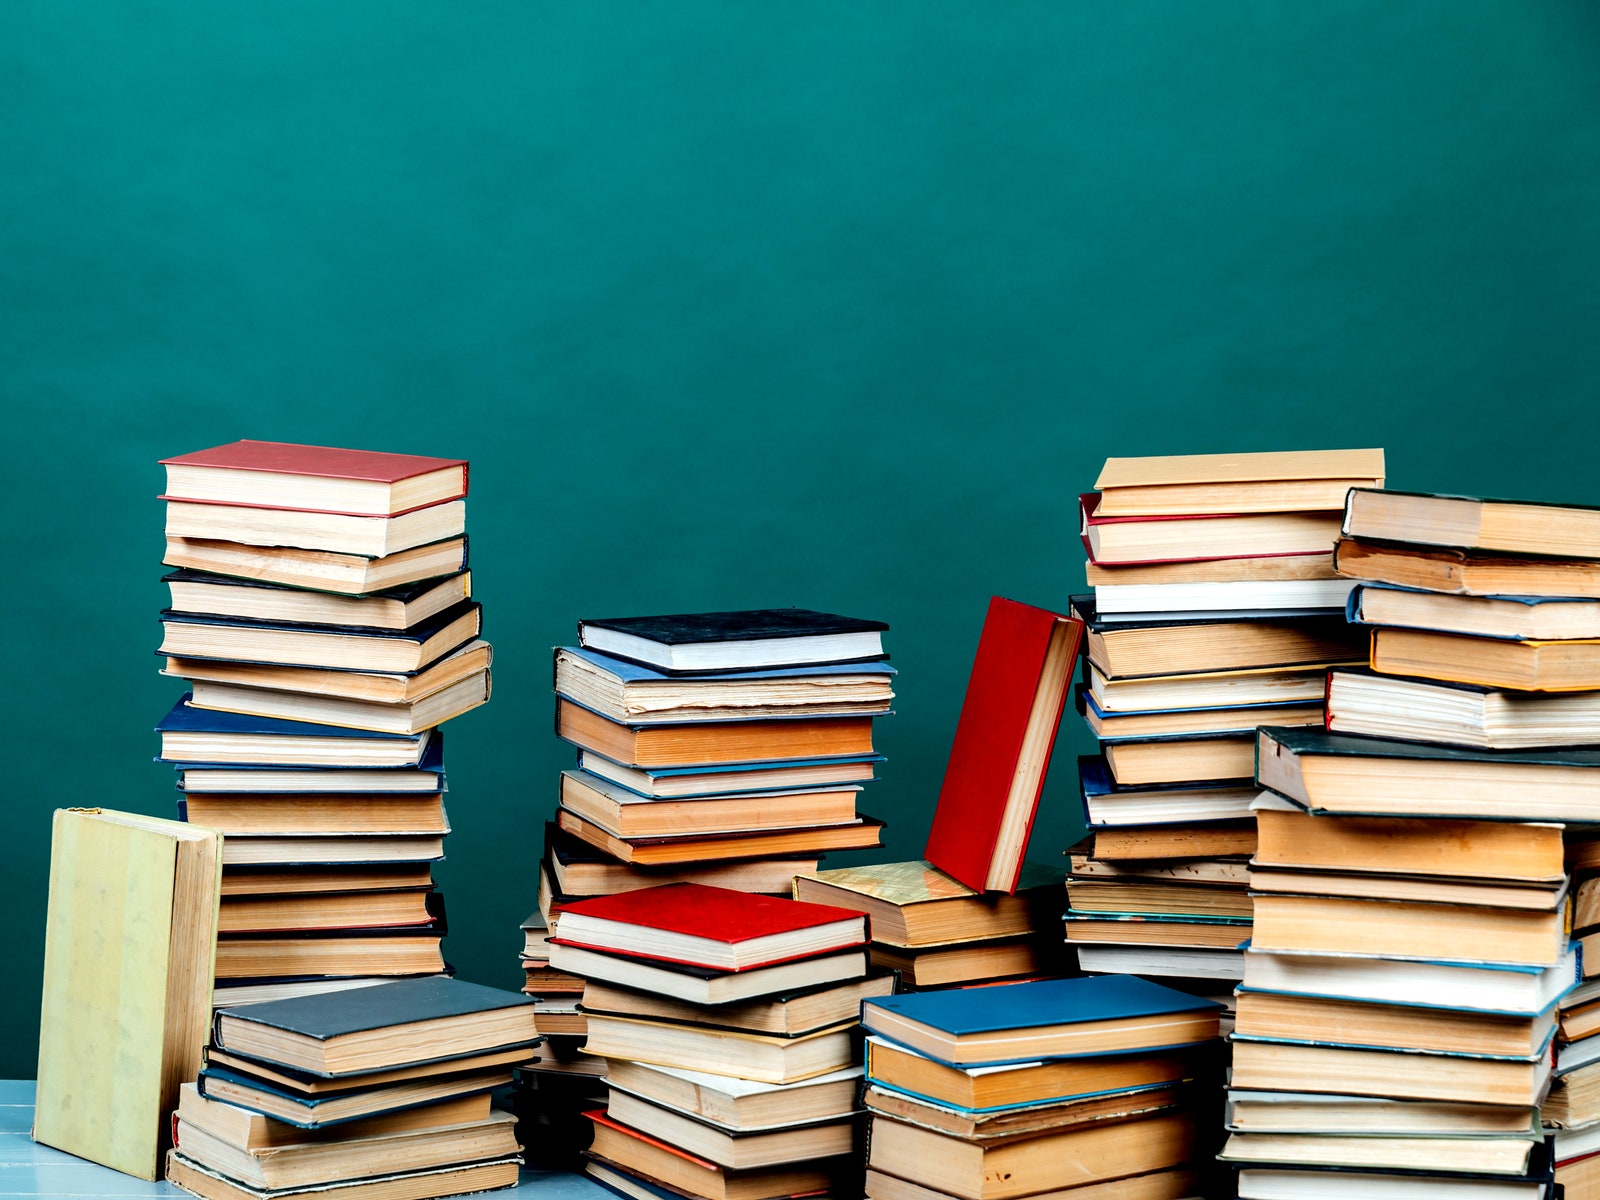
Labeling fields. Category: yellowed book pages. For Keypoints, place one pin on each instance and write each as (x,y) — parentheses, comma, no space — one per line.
(129,948)
(1265,467)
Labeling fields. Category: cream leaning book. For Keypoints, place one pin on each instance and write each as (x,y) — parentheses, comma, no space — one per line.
(130,943)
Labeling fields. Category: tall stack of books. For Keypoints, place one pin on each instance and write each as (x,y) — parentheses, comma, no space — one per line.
(724,749)
(321,614)
(1414,960)
(380,1091)
(1069,1088)
(972,911)
(1216,609)
(728,1022)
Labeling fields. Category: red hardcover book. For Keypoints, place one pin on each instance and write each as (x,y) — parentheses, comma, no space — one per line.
(1001,752)
(314,478)
(710,928)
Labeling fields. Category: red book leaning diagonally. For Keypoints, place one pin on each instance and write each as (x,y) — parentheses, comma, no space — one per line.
(1002,746)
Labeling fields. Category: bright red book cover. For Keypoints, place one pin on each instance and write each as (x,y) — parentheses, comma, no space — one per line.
(989,741)
(716,914)
(288,458)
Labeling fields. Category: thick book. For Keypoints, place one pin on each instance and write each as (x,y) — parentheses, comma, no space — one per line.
(1290,838)
(712,743)
(705,849)
(1134,649)
(1001,752)
(687,783)
(1565,666)
(640,1167)
(253,600)
(1245,597)
(427,775)
(407,717)
(320,570)
(1443,984)
(750,639)
(1182,537)
(336,533)
(1109,805)
(1472,523)
(630,693)
(1015,1167)
(709,927)
(1518,618)
(454,1180)
(625,814)
(1336,773)
(577,868)
(754,1056)
(1262,481)
(378,1028)
(130,935)
(195,736)
(319,478)
(704,985)
(1139,725)
(1458,714)
(1466,572)
(274,643)
(1052,1018)
(334,686)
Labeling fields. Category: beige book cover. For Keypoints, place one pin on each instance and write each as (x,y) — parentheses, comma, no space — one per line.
(130,943)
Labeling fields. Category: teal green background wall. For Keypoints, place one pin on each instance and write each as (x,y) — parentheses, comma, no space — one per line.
(737,304)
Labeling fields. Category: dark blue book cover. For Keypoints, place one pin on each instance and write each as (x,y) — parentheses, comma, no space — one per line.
(1046,1002)
(327,1015)
(632,672)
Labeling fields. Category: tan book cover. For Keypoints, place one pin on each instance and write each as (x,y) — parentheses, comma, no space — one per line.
(130,943)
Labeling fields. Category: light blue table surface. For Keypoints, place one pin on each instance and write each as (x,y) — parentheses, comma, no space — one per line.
(27,1169)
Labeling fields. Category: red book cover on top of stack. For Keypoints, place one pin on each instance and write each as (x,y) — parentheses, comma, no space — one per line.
(1019,683)
(317,462)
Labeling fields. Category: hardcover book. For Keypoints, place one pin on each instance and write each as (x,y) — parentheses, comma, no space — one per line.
(1001,752)
(318,478)
(128,962)
(1270,481)
(735,641)
(709,927)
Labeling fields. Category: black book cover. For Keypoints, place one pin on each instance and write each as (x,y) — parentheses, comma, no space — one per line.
(329,1015)
(1310,740)
(749,625)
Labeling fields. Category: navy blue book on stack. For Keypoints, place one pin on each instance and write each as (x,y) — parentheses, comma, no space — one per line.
(320,669)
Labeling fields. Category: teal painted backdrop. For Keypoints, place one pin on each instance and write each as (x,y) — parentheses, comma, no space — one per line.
(735,304)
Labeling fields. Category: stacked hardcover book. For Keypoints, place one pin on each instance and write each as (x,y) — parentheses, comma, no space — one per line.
(1072,1088)
(321,614)
(373,1092)
(1216,609)
(1414,974)
(972,911)
(728,1023)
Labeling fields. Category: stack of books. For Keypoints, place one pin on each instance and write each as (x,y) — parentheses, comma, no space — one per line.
(1216,609)
(725,749)
(321,614)
(1071,1088)
(972,910)
(380,1091)
(728,1023)
(1415,969)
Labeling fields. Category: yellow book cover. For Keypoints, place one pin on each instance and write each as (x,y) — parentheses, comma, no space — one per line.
(130,943)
